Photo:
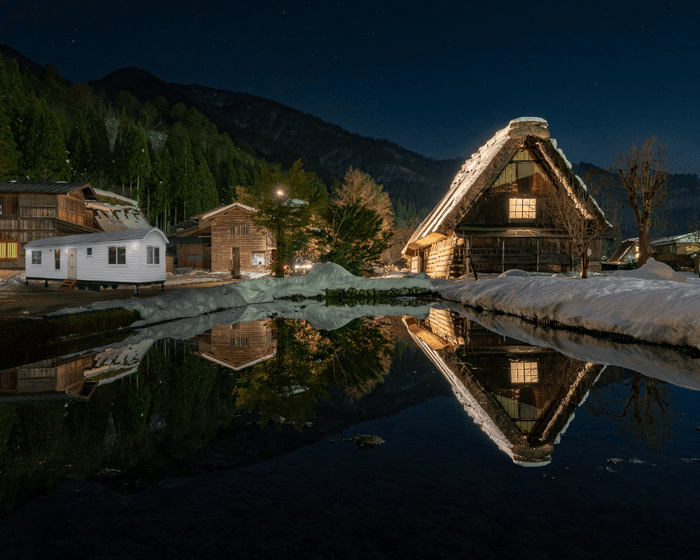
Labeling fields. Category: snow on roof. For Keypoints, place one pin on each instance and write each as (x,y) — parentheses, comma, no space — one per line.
(479,162)
(102,237)
(693,237)
(110,194)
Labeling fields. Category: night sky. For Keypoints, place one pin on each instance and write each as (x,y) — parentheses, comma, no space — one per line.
(438,78)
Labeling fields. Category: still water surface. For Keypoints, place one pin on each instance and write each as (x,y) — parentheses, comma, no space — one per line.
(238,442)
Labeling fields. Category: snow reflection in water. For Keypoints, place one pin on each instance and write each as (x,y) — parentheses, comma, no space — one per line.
(241,393)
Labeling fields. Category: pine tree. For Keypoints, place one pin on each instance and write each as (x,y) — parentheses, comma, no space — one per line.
(42,145)
(79,149)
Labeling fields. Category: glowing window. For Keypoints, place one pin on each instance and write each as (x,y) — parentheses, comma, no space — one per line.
(523,372)
(522,209)
(9,250)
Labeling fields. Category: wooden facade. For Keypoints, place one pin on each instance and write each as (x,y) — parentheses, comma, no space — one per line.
(225,240)
(494,216)
(55,378)
(679,251)
(521,396)
(239,345)
(30,211)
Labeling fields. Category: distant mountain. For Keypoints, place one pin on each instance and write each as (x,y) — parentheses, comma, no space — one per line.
(23,62)
(282,134)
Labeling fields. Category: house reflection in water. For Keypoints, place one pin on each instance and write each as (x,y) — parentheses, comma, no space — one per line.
(522,396)
(238,346)
(53,379)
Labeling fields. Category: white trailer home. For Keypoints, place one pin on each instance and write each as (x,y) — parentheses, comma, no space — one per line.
(94,260)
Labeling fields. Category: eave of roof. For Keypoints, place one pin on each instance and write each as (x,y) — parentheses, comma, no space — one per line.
(46,188)
(462,192)
(101,237)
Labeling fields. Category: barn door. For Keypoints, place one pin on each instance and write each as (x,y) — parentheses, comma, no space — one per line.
(72,263)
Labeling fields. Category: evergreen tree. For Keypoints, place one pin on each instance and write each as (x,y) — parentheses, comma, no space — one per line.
(183,176)
(42,145)
(208,196)
(79,149)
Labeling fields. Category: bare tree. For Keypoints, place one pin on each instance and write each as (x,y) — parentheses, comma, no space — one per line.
(643,174)
(581,220)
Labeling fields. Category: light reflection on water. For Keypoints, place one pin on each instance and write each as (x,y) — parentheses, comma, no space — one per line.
(262,407)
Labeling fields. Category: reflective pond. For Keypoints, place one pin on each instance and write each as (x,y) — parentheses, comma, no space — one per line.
(433,433)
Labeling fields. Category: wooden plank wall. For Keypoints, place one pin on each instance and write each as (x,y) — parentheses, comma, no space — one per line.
(222,241)
(439,258)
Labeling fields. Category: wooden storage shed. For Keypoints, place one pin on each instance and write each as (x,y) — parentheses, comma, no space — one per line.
(30,211)
(94,260)
(225,239)
(492,217)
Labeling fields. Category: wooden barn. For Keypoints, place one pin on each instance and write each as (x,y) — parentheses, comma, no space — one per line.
(225,239)
(30,211)
(493,217)
(523,397)
(94,260)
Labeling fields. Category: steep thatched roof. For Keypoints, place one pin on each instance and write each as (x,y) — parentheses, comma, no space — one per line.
(478,173)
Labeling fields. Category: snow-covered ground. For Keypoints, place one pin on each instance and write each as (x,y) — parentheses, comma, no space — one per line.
(652,304)
(178,304)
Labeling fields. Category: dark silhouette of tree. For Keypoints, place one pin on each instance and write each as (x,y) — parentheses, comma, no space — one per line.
(643,174)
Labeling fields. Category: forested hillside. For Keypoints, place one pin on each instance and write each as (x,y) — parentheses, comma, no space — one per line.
(169,157)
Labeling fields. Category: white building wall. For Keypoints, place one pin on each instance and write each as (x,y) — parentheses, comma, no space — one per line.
(47,268)
(96,267)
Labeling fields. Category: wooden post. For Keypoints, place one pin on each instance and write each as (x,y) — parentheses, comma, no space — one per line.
(466,258)
(503,255)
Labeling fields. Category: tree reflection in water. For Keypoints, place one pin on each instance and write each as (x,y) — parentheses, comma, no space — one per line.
(307,361)
(640,405)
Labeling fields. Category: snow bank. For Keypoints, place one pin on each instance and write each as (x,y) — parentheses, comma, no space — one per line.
(663,363)
(658,311)
(652,270)
(178,304)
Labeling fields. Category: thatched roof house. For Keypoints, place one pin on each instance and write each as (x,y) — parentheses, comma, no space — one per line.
(492,217)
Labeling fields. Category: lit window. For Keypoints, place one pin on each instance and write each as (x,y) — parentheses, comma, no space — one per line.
(116,255)
(36,257)
(522,209)
(9,250)
(523,372)
(57,258)
(152,255)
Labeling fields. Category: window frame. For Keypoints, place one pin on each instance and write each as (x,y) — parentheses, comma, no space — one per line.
(152,254)
(116,253)
(36,257)
(57,259)
(522,209)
